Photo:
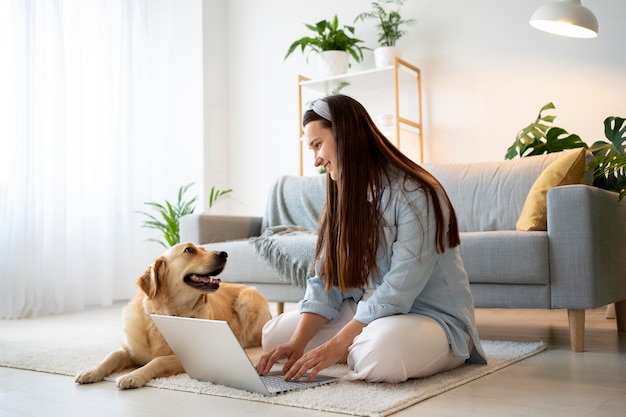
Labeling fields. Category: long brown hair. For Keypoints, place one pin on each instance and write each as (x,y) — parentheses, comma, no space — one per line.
(351,221)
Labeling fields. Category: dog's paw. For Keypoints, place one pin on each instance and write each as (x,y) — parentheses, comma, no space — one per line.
(89,377)
(130,381)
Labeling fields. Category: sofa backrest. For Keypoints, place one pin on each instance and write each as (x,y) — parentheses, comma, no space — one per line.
(490,195)
(486,196)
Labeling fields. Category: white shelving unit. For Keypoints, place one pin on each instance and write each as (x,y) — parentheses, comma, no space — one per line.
(394,92)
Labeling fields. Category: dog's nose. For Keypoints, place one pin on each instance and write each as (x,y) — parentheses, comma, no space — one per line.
(222,255)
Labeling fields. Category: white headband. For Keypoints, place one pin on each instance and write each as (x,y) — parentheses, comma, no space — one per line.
(320,107)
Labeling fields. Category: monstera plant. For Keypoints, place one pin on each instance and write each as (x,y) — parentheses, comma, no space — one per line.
(539,137)
(609,163)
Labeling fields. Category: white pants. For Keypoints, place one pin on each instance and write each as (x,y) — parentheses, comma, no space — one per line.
(390,349)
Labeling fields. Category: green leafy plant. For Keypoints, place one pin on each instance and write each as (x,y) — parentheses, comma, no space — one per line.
(216,194)
(538,137)
(609,157)
(340,86)
(330,37)
(609,164)
(390,23)
(167,216)
(336,90)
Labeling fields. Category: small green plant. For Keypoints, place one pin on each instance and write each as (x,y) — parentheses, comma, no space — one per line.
(340,86)
(336,90)
(390,23)
(216,194)
(330,37)
(167,217)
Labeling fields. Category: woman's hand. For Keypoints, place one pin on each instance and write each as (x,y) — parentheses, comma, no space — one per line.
(330,353)
(315,360)
(291,351)
(308,325)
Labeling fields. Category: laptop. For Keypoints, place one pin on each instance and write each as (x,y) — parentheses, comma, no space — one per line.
(209,351)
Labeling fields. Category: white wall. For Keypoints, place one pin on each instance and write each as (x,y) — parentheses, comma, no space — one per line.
(486,73)
(164,131)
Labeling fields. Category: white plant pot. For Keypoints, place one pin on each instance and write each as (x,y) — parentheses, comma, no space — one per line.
(385,120)
(384,55)
(329,63)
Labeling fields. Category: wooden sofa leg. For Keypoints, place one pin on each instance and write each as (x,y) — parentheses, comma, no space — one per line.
(576,329)
(280,307)
(620,315)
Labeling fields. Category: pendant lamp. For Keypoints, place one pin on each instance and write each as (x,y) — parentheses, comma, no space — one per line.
(565,18)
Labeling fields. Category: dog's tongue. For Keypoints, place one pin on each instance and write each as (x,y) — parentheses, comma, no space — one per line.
(206,280)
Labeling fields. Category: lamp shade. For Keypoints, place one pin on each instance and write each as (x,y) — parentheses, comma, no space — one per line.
(566,18)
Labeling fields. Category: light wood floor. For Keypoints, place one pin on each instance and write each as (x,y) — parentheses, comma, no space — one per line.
(556,382)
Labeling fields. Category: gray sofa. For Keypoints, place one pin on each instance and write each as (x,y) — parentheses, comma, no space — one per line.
(578,263)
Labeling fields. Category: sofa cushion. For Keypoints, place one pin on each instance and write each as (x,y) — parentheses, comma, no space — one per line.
(506,257)
(567,170)
(244,265)
(489,196)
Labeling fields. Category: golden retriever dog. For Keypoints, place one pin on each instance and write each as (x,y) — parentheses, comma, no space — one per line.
(181,282)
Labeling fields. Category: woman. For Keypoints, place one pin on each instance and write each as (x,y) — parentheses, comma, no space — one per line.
(390,296)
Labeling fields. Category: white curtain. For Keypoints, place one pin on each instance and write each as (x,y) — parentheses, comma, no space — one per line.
(77,105)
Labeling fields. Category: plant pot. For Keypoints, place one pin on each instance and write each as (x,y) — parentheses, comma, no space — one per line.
(329,63)
(384,55)
(385,120)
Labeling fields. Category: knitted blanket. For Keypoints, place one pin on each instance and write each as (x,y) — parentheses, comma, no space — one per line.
(290,250)
(295,201)
(288,238)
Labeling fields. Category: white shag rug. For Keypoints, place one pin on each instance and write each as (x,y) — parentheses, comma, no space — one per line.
(346,397)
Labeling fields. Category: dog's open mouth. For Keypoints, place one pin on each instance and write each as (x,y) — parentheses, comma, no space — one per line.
(204,282)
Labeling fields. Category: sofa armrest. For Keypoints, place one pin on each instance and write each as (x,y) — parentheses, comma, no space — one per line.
(208,228)
(587,243)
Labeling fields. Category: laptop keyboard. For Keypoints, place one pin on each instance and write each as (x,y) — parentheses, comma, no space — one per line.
(276,383)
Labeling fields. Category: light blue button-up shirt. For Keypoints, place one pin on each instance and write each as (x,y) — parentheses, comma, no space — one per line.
(413,279)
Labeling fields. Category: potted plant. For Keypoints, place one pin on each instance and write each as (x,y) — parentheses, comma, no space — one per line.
(333,44)
(168,214)
(390,27)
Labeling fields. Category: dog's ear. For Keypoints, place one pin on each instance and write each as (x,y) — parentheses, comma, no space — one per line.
(151,280)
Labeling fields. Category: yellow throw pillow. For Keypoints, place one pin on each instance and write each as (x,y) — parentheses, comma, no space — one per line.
(569,169)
